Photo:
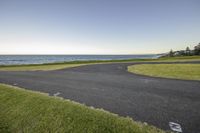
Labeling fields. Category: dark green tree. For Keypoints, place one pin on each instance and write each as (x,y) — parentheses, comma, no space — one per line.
(171,53)
(187,51)
(197,49)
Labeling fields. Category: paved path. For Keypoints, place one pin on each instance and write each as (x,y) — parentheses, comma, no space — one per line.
(156,101)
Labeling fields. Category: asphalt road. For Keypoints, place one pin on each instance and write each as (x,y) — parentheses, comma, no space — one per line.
(156,101)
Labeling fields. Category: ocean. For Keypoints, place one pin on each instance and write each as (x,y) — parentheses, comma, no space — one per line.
(41,59)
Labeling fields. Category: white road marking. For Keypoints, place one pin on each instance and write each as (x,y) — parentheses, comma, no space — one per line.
(56,94)
(119,67)
(175,127)
(91,107)
(94,88)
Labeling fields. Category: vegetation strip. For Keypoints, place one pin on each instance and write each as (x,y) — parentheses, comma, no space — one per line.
(56,66)
(29,112)
(177,71)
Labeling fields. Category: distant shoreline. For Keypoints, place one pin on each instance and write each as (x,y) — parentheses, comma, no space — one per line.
(46,59)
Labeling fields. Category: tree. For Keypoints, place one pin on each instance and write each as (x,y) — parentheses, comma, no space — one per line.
(197,49)
(171,53)
(187,51)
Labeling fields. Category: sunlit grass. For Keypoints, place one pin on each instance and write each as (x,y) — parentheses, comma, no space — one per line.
(182,58)
(44,67)
(178,71)
(30,112)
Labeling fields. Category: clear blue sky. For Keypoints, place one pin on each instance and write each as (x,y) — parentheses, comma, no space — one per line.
(98,26)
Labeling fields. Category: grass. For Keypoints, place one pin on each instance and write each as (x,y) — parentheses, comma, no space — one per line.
(56,66)
(29,112)
(44,67)
(181,58)
(177,71)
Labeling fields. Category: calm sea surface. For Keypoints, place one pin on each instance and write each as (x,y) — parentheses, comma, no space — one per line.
(40,59)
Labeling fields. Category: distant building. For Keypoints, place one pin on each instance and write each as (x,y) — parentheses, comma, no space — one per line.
(179,53)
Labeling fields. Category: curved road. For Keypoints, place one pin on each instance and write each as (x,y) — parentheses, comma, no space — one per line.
(156,101)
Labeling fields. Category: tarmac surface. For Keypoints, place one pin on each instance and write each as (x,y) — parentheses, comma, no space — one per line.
(156,101)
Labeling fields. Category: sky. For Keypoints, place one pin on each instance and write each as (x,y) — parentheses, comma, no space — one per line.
(98,26)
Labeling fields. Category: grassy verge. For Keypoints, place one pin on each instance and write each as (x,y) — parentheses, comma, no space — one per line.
(29,112)
(44,67)
(56,66)
(181,58)
(177,71)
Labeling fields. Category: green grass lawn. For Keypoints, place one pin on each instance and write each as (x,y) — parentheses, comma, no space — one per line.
(32,112)
(181,58)
(56,66)
(177,71)
(44,67)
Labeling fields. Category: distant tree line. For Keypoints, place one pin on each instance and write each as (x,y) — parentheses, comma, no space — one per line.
(186,52)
